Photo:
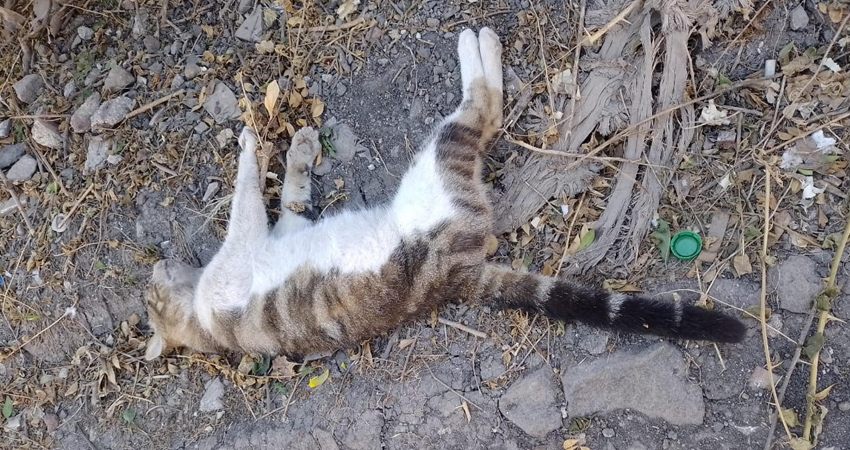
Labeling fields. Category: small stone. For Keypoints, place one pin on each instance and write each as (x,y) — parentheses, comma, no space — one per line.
(799,18)
(151,43)
(81,120)
(29,88)
(717,427)
(96,154)
(201,127)
(117,79)
(140,22)
(85,33)
(608,432)
(796,283)
(10,154)
(69,89)
(191,70)
(111,112)
(211,400)
(222,104)
(177,81)
(5,128)
(244,6)
(341,89)
(592,340)
(212,189)
(653,382)
(759,379)
(114,159)
(844,406)
(251,29)
(51,421)
(9,206)
(383,61)
(530,404)
(22,170)
(13,424)
(47,134)
(432,22)
(344,142)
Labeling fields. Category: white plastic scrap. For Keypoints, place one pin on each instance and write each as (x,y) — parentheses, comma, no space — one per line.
(831,65)
(712,116)
(809,189)
(817,143)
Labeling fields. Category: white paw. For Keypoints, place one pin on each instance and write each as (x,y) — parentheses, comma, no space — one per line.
(489,41)
(248,139)
(467,44)
(305,146)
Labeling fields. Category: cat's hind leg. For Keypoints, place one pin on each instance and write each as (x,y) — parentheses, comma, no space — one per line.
(295,205)
(248,222)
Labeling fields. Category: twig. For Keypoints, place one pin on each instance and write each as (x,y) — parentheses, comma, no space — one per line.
(76,205)
(70,311)
(611,24)
(763,301)
(153,104)
(823,302)
(462,327)
(17,201)
(576,58)
(284,407)
(450,388)
(342,26)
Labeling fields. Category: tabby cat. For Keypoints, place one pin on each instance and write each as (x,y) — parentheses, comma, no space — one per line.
(306,288)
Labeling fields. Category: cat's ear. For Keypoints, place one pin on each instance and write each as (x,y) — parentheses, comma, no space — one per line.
(156,347)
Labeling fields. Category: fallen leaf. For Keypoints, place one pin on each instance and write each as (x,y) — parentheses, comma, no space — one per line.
(712,116)
(8,407)
(822,394)
(317,108)
(754,311)
(347,7)
(295,99)
(492,244)
(269,17)
(129,416)
(798,443)
(571,444)
(283,367)
(265,47)
(662,239)
(319,380)
(742,265)
(813,345)
(272,94)
(790,417)
(586,239)
(466,411)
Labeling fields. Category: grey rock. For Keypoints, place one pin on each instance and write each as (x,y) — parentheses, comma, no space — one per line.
(114,159)
(140,22)
(201,127)
(69,89)
(653,382)
(10,154)
(29,88)
(91,77)
(118,78)
(51,421)
(47,134)
(211,400)
(96,154)
(365,434)
(592,340)
(344,142)
(85,33)
(212,189)
(151,44)
(222,104)
(22,170)
(608,432)
(796,283)
(244,6)
(844,406)
(81,120)
(432,22)
(191,70)
(799,18)
(111,112)
(530,403)
(251,29)
(5,128)
(177,81)
(760,379)
(9,206)
(13,423)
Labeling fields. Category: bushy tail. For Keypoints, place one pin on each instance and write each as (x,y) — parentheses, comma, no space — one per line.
(569,302)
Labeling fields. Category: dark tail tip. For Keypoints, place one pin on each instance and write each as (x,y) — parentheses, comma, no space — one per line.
(702,324)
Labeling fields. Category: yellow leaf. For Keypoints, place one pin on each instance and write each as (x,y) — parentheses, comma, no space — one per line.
(822,394)
(790,417)
(209,58)
(571,444)
(347,7)
(269,17)
(800,444)
(317,109)
(272,94)
(208,29)
(742,265)
(295,99)
(319,380)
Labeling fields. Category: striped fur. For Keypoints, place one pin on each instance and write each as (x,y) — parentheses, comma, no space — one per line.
(305,288)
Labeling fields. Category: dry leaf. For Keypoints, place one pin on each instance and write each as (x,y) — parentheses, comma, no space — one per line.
(317,109)
(269,17)
(466,411)
(742,265)
(822,394)
(265,47)
(272,94)
(492,244)
(295,99)
(283,367)
(790,417)
(347,7)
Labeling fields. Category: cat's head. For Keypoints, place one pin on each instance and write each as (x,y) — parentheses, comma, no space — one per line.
(170,297)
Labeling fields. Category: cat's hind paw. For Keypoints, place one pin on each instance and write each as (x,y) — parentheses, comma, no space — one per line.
(248,139)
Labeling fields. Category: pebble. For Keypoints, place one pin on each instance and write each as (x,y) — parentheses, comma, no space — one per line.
(85,33)
(29,88)
(51,421)
(796,283)
(251,29)
(191,70)
(530,403)
(211,400)
(799,18)
(81,120)
(22,170)
(244,6)
(118,78)
(96,154)
(111,112)
(114,159)
(5,128)
(844,406)
(222,104)
(177,81)
(212,189)
(759,379)
(9,206)
(69,89)
(47,134)
(608,432)
(432,22)
(11,154)
(201,127)
(13,424)
(151,43)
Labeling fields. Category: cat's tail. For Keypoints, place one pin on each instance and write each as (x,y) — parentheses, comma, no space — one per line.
(569,302)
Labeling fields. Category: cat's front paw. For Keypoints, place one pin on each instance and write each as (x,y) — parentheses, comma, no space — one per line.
(305,147)
(248,139)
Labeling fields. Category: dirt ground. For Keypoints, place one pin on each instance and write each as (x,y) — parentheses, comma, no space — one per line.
(73,374)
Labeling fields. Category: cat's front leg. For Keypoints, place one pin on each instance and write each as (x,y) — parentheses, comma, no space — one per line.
(248,222)
(296,207)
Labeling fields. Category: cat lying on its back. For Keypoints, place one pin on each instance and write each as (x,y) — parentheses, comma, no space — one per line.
(305,288)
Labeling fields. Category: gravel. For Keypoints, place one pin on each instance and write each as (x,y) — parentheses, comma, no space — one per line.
(47,134)
(799,18)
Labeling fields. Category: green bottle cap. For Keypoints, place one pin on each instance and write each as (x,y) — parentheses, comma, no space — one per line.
(686,245)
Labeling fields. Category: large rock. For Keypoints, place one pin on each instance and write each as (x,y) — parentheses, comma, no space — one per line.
(653,382)
(796,283)
(22,170)
(81,120)
(10,154)
(530,403)
(211,400)
(222,104)
(117,79)
(29,88)
(111,112)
